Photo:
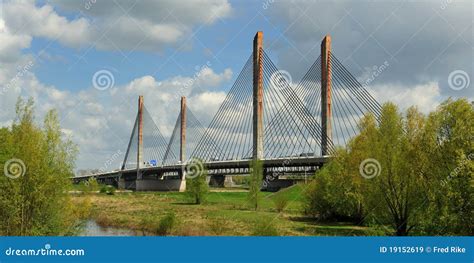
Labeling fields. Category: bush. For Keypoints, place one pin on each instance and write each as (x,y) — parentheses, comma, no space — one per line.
(35,201)
(107,189)
(166,224)
(103,189)
(89,186)
(281,201)
(334,193)
(93,185)
(317,202)
(196,185)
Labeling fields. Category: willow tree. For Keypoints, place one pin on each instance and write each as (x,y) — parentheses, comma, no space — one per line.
(37,162)
(196,184)
(378,177)
(451,177)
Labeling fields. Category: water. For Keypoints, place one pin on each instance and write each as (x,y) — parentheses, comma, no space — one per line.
(91,228)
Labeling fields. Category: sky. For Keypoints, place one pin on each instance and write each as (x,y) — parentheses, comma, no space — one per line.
(91,59)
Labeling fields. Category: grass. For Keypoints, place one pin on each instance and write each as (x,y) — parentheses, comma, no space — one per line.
(224,213)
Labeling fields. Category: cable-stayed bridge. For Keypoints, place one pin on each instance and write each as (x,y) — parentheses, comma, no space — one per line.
(293,129)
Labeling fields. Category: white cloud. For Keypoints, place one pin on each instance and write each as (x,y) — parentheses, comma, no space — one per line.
(100,121)
(11,44)
(144,25)
(25,17)
(423,41)
(425,96)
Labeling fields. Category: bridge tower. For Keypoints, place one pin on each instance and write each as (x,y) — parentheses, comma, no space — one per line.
(182,137)
(258,96)
(140,137)
(326,111)
(182,145)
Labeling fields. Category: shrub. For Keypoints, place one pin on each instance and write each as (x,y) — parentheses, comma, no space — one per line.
(317,203)
(89,186)
(93,185)
(108,189)
(281,201)
(103,189)
(196,186)
(166,224)
(333,194)
(40,159)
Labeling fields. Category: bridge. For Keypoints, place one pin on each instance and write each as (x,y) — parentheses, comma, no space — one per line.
(292,128)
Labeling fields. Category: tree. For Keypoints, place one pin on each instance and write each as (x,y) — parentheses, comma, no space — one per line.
(380,176)
(334,193)
(34,197)
(396,146)
(255,183)
(450,192)
(196,184)
(423,172)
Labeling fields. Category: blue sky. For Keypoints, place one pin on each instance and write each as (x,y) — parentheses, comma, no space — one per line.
(230,47)
(154,47)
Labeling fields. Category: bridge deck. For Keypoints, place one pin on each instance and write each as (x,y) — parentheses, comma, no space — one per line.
(285,165)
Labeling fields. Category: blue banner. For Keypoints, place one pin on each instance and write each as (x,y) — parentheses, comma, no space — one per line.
(236,249)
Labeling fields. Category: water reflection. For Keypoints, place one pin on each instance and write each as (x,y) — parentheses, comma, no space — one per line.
(91,228)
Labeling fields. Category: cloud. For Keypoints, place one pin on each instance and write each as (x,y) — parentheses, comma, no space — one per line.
(11,44)
(425,96)
(426,40)
(25,17)
(423,41)
(100,122)
(122,25)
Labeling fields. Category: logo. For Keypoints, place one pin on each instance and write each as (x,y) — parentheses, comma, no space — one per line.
(369,168)
(103,79)
(14,168)
(193,169)
(458,80)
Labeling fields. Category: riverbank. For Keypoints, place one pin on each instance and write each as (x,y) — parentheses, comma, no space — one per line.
(224,213)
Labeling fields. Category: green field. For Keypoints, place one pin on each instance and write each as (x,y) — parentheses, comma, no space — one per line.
(226,212)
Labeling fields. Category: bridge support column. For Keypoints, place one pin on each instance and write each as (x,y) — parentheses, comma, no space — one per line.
(182,145)
(182,140)
(258,96)
(140,137)
(326,111)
